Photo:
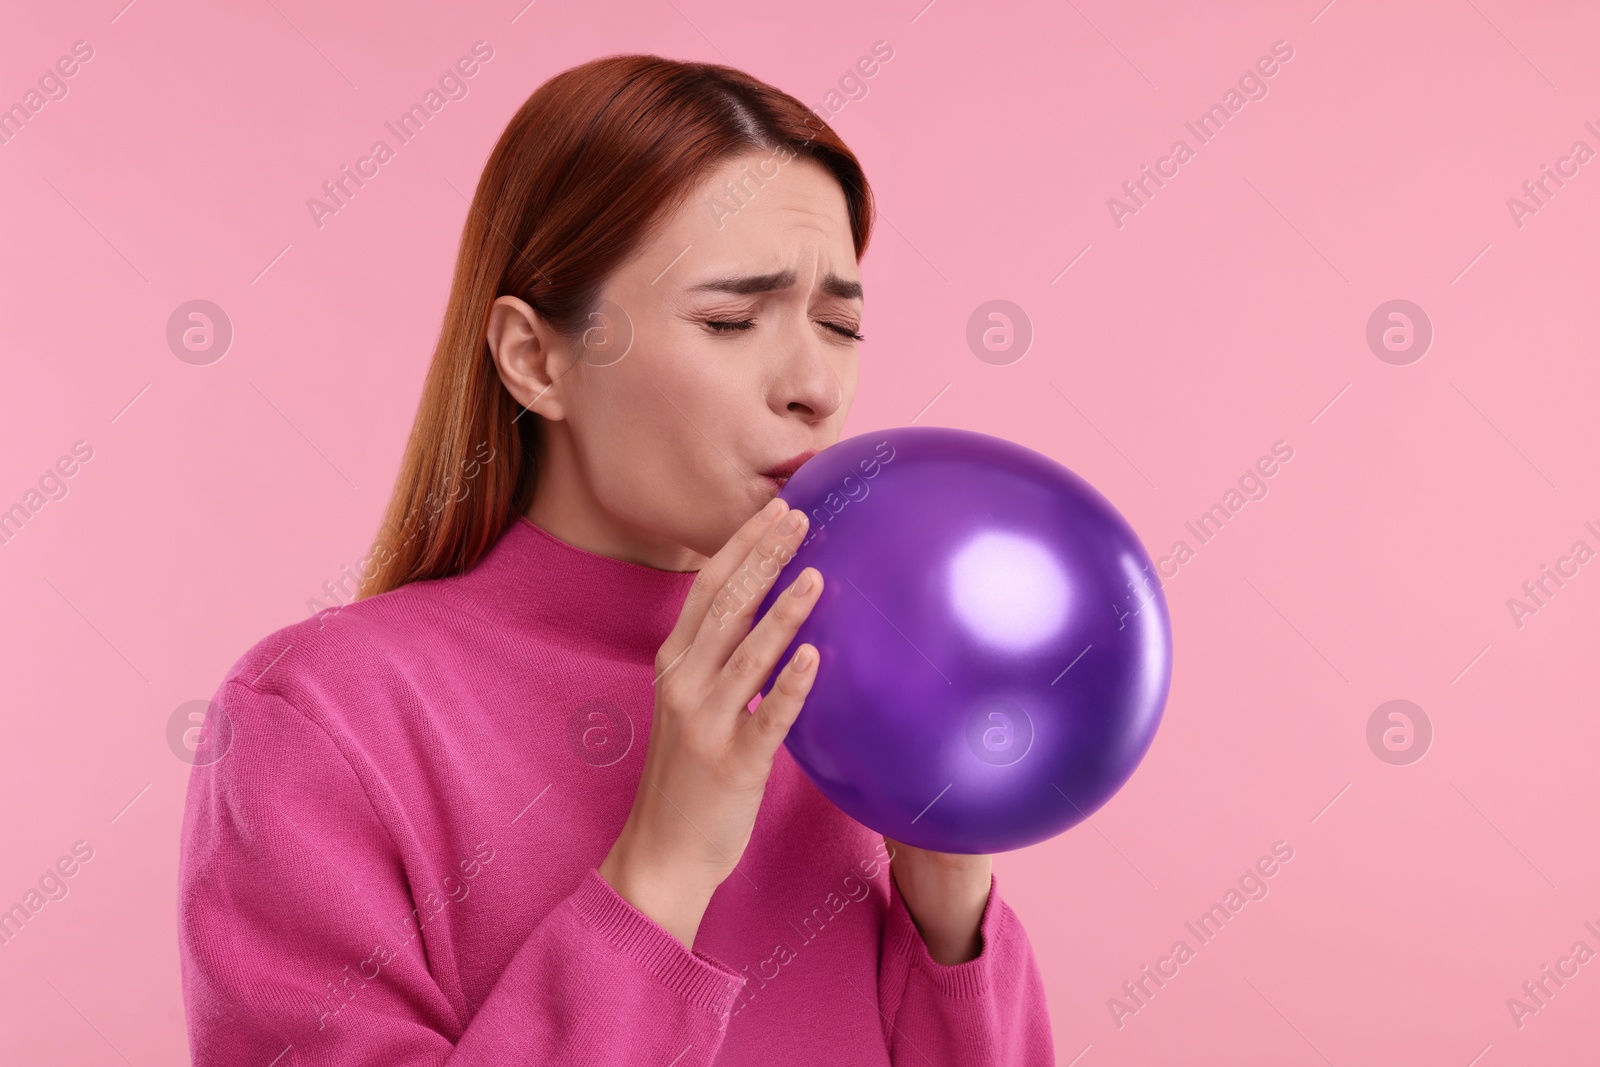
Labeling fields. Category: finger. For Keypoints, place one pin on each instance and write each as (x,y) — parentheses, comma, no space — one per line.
(708,582)
(728,620)
(764,729)
(751,663)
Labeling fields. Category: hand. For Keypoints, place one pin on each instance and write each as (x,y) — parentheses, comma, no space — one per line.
(946,894)
(708,760)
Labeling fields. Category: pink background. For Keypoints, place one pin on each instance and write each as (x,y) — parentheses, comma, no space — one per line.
(1225,315)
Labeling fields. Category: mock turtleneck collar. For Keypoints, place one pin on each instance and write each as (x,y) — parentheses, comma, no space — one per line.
(538,584)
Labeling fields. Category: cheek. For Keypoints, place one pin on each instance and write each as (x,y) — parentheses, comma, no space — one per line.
(849,371)
(630,430)
(674,433)
(709,399)
(654,438)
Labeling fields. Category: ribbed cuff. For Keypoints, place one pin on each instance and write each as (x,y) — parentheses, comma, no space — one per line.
(960,980)
(697,978)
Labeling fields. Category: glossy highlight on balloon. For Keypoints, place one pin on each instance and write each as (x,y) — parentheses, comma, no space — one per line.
(996,653)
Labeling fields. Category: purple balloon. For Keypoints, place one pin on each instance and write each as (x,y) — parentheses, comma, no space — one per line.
(996,651)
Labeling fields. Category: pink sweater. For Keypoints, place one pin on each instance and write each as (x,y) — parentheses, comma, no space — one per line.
(395,862)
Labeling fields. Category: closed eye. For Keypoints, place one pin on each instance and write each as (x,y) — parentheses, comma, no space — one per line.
(740,325)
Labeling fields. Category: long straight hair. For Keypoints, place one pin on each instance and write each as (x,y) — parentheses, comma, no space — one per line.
(590,161)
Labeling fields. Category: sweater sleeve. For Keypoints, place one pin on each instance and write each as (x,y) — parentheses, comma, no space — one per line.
(300,939)
(987,1012)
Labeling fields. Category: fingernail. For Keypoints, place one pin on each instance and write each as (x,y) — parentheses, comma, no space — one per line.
(801,584)
(793,522)
(774,506)
(802,658)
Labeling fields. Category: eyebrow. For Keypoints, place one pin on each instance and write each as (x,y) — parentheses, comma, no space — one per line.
(746,284)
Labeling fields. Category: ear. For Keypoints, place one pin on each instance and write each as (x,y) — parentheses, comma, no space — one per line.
(531,358)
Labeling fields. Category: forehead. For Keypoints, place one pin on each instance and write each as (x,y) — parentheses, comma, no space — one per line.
(754,207)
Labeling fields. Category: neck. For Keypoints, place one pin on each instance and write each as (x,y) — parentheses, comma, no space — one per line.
(536,584)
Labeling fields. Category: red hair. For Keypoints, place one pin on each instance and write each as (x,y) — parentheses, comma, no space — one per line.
(590,161)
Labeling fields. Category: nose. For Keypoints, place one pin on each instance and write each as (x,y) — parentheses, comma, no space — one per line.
(808,382)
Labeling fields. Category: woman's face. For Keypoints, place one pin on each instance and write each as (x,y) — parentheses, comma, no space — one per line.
(723,349)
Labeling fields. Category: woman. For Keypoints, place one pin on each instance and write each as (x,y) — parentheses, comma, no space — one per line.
(510,806)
